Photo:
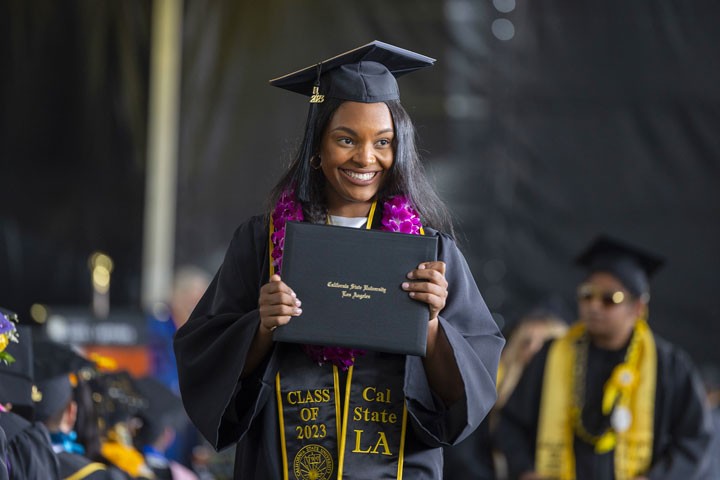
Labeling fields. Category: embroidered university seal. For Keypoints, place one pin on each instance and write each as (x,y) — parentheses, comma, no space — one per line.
(313,462)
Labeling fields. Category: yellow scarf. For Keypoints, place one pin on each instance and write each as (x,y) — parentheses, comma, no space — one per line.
(126,459)
(628,395)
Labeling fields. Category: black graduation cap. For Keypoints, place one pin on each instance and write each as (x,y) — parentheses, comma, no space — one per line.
(54,363)
(632,265)
(165,409)
(116,397)
(365,74)
(16,378)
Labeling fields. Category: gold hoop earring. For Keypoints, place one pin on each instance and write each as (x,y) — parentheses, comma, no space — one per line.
(313,164)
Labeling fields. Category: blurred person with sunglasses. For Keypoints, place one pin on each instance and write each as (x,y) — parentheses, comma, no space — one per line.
(609,399)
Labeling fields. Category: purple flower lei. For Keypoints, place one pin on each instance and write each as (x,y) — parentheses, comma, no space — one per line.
(398,216)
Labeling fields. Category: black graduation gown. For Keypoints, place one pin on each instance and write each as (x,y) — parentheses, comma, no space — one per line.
(714,468)
(30,454)
(3,455)
(212,346)
(682,427)
(81,467)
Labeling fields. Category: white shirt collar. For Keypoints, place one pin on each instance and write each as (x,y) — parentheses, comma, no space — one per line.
(353,222)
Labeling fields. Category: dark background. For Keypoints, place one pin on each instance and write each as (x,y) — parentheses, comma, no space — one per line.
(591,118)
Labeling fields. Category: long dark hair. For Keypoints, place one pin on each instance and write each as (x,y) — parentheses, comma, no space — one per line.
(406,176)
(87,423)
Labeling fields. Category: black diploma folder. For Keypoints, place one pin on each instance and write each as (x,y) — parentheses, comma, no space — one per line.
(349,281)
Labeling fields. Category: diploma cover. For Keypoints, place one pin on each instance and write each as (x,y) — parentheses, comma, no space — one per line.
(349,281)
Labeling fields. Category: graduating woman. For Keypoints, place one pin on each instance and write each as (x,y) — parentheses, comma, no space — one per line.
(322,412)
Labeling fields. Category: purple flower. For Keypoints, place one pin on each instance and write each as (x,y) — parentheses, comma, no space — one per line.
(343,358)
(287,209)
(6,326)
(400,216)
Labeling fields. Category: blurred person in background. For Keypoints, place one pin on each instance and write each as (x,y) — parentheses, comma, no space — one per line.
(56,369)
(189,284)
(154,429)
(29,452)
(610,399)
(87,421)
(117,401)
(476,457)
(545,322)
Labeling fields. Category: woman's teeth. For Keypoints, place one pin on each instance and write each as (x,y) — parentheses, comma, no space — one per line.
(360,176)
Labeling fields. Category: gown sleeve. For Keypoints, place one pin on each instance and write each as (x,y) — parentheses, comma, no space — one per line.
(29,451)
(212,345)
(476,343)
(683,442)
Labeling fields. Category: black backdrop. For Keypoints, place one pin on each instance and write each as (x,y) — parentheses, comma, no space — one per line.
(73,95)
(590,118)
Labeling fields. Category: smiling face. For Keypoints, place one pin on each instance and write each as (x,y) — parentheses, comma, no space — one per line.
(356,154)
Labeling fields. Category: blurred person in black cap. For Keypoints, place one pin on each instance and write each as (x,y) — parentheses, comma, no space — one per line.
(29,452)
(156,427)
(117,400)
(87,421)
(357,166)
(610,399)
(56,370)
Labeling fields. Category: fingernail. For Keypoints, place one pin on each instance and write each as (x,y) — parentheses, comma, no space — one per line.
(405,285)
(410,275)
(293,293)
(298,311)
(298,302)
(421,266)
(412,294)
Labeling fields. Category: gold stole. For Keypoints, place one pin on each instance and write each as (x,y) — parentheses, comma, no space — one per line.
(554,455)
(319,441)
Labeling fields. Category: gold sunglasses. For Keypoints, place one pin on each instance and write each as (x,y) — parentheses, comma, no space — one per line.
(587,293)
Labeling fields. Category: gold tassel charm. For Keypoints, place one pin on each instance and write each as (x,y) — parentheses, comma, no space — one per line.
(316,96)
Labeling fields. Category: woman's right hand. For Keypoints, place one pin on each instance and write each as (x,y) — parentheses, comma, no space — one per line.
(277,304)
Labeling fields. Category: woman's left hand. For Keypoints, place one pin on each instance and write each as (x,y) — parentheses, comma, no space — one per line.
(428,285)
